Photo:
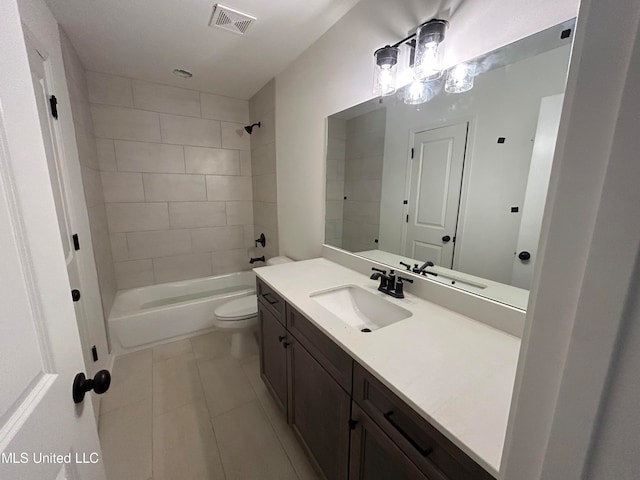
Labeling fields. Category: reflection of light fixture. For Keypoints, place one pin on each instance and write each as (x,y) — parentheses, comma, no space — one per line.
(384,82)
(460,78)
(421,91)
(428,59)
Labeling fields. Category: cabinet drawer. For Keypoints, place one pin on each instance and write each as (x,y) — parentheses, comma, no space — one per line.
(335,361)
(272,300)
(435,455)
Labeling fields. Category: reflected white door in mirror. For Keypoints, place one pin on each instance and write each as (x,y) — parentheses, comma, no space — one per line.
(435,185)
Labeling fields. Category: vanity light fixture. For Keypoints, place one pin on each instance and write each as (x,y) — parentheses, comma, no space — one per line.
(426,59)
(384,80)
(428,56)
(460,78)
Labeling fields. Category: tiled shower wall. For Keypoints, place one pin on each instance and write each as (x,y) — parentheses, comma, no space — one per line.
(89,166)
(175,168)
(263,167)
(363,180)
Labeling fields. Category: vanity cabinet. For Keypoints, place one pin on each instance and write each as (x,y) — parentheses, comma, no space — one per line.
(273,355)
(318,410)
(353,426)
(429,450)
(374,456)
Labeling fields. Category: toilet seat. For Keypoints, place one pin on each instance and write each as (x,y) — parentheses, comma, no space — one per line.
(239,309)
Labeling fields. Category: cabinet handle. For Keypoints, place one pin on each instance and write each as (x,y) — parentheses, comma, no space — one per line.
(281,338)
(423,451)
(271,302)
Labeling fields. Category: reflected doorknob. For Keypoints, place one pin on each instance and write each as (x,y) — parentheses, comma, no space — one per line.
(524,256)
(446,239)
(99,384)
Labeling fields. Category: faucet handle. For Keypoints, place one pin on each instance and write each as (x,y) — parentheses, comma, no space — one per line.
(403,279)
(384,272)
(406,265)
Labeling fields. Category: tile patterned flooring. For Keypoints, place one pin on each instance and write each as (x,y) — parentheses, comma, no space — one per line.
(187,410)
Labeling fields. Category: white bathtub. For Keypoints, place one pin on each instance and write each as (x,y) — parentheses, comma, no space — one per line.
(150,315)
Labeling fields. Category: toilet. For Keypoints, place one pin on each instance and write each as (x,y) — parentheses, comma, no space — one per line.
(241,316)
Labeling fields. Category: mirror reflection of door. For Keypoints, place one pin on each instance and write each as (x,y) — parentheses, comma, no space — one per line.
(537,186)
(434,193)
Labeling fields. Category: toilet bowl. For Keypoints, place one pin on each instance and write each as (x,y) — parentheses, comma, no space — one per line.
(241,317)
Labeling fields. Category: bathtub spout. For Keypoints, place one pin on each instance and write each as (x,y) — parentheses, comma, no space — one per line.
(259,259)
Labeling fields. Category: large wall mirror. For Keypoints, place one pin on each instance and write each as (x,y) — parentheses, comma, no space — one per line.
(454,189)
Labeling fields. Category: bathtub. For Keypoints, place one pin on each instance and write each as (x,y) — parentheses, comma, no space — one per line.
(150,315)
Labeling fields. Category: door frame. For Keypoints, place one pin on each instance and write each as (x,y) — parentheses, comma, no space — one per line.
(39,33)
(471,121)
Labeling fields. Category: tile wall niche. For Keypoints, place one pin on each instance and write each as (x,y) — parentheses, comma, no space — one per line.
(90,168)
(263,168)
(175,167)
(364,153)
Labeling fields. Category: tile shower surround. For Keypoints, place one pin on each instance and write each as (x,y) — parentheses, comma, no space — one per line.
(175,168)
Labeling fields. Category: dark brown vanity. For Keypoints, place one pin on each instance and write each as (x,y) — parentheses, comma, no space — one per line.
(353,426)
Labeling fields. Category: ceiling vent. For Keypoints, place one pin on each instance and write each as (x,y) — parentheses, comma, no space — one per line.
(231,20)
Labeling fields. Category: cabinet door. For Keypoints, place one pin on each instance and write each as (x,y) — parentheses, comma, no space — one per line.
(319,412)
(273,354)
(374,456)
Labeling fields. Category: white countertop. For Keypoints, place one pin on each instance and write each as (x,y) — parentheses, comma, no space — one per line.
(454,371)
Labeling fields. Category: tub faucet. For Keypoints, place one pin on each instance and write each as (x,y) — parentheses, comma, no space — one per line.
(258,259)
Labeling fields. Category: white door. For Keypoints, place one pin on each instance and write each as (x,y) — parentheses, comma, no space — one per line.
(56,174)
(40,350)
(434,194)
(537,187)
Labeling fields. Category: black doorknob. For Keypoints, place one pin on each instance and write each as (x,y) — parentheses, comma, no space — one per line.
(446,238)
(99,384)
(524,255)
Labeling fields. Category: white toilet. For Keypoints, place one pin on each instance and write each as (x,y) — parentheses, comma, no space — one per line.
(241,316)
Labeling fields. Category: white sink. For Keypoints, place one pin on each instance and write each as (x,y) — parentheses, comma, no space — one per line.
(359,308)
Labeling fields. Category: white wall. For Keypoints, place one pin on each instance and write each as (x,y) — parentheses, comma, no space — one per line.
(336,73)
(503,103)
(576,393)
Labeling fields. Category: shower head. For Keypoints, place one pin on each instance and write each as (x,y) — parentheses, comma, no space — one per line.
(249,128)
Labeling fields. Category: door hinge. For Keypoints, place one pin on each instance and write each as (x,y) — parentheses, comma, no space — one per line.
(53,102)
(76,242)
(94,353)
(454,239)
(412,152)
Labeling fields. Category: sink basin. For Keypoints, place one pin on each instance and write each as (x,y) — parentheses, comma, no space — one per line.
(359,308)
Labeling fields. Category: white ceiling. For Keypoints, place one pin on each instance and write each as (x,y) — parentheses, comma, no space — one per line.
(147,39)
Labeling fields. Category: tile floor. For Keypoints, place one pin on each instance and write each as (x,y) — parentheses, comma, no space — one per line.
(187,410)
